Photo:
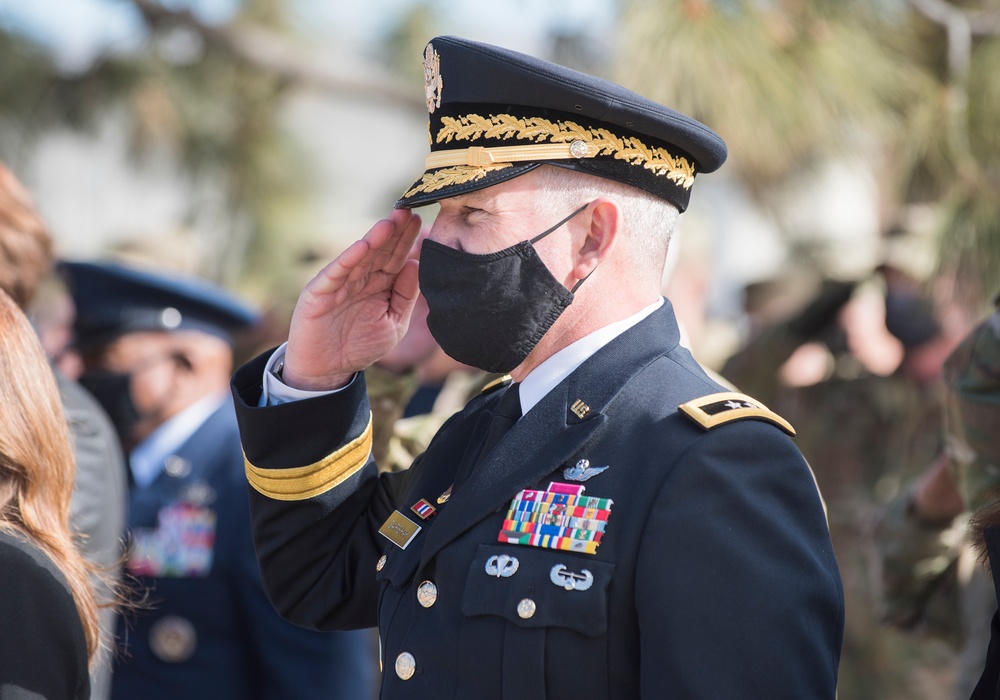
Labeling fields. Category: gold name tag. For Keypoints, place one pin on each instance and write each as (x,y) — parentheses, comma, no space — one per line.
(399,529)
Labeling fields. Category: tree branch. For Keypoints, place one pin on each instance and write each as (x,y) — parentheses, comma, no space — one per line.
(274,54)
(961,25)
(981,22)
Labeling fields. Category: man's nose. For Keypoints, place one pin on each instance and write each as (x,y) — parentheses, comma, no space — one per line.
(445,235)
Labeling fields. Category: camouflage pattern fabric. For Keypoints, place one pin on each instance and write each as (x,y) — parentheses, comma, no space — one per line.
(972,412)
(919,561)
(388,393)
(397,441)
(863,435)
(931,579)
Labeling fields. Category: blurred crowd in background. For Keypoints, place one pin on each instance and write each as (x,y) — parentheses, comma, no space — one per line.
(848,248)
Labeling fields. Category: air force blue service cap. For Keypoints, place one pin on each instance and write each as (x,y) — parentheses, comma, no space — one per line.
(495,114)
(113,299)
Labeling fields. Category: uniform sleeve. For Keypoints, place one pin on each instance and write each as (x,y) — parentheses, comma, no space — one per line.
(737,588)
(972,413)
(97,509)
(98,505)
(918,562)
(316,501)
(289,661)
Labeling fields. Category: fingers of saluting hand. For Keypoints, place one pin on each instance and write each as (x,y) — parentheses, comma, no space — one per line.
(405,290)
(382,250)
(395,253)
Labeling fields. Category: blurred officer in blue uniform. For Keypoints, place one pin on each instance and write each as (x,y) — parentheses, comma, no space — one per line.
(610,524)
(158,357)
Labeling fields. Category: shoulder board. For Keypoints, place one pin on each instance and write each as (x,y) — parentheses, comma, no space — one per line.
(497,383)
(715,409)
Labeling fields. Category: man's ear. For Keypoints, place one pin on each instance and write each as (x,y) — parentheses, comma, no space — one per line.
(604,224)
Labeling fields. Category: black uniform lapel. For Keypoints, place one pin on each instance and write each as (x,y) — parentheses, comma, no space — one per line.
(534,447)
(549,435)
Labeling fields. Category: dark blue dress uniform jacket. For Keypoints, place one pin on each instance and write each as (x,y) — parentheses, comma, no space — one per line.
(241,646)
(715,578)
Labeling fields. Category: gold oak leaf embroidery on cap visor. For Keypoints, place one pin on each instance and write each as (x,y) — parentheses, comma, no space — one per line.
(567,140)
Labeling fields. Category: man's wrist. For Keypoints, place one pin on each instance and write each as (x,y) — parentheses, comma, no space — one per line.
(276,388)
(327,383)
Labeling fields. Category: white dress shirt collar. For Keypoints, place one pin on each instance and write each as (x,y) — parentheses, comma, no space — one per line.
(539,382)
(544,378)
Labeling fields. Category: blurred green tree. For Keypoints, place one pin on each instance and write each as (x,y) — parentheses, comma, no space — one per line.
(213,95)
(911,84)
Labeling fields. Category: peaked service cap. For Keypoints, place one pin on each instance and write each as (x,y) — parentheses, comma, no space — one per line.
(114,299)
(495,114)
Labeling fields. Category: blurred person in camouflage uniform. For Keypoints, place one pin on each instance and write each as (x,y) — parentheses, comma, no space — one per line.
(931,580)
(861,426)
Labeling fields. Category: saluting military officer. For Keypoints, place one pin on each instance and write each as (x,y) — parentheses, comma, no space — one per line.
(608,524)
(158,357)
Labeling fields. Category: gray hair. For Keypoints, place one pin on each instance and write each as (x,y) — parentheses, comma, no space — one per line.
(649,220)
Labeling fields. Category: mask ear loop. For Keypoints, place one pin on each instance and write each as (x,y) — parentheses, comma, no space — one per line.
(579,282)
(543,234)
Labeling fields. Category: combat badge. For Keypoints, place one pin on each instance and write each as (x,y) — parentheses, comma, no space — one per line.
(570,580)
(399,529)
(582,471)
(502,566)
(717,409)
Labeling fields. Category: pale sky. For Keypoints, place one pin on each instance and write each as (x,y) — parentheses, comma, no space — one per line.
(85,217)
(75,30)
(81,182)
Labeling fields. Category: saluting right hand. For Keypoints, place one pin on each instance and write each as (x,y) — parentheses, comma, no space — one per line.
(356,309)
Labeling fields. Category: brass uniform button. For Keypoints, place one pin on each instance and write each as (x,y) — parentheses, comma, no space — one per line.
(406,665)
(173,639)
(427,594)
(526,608)
(381,563)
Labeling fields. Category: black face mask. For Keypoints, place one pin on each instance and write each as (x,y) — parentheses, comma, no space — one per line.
(489,311)
(113,391)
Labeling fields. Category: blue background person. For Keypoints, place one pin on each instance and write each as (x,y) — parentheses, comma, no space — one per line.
(158,357)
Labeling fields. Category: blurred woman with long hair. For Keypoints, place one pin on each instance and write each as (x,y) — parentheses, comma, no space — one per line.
(48,606)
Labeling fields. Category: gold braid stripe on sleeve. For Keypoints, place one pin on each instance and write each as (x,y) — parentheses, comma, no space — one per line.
(300,483)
